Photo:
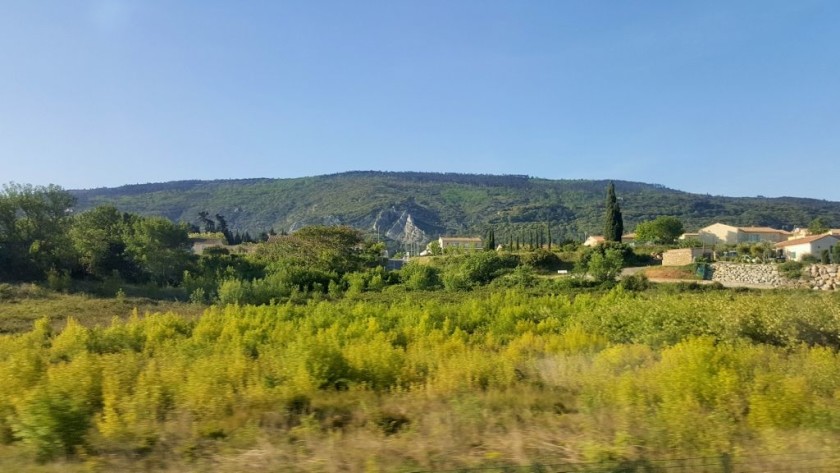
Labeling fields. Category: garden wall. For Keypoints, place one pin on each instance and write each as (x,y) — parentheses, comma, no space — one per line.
(824,277)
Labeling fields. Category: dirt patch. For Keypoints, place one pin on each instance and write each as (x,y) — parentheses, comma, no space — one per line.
(670,272)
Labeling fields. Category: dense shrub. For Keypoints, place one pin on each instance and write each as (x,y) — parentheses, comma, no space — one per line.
(420,277)
(541,259)
(476,269)
(791,269)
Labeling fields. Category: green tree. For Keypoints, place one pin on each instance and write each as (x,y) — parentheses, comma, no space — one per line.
(605,266)
(98,237)
(420,277)
(490,241)
(33,231)
(613,222)
(548,228)
(818,226)
(434,248)
(159,247)
(332,251)
(663,229)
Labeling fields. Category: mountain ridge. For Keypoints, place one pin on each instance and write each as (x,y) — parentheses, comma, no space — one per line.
(413,207)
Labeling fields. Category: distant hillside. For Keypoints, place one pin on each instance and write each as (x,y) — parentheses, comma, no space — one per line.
(413,207)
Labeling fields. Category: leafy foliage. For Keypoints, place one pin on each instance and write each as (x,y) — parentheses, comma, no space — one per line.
(818,226)
(661,230)
(33,231)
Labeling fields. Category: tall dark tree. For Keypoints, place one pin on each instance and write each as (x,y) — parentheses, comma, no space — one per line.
(548,227)
(490,242)
(613,223)
(209,224)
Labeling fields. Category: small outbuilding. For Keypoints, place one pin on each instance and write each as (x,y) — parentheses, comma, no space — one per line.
(683,256)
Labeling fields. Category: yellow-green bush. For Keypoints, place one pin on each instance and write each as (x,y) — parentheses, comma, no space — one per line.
(433,381)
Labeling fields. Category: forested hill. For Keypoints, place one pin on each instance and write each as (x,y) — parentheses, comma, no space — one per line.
(414,206)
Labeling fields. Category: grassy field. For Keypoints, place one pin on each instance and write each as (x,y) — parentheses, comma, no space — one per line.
(22,305)
(608,380)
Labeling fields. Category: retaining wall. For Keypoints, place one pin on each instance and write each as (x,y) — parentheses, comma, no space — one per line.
(825,277)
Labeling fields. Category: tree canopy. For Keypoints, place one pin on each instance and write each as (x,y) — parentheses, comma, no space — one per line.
(818,226)
(663,229)
(33,230)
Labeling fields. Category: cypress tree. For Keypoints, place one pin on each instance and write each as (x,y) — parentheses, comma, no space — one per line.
(548,227)
(490,243)
(613,223)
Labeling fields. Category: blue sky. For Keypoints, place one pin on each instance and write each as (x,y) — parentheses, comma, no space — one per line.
(718,97)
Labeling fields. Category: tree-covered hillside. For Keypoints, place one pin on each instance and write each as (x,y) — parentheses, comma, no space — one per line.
(413,206)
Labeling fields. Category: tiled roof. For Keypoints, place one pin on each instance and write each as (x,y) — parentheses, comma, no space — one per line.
(804,240)
(762,230)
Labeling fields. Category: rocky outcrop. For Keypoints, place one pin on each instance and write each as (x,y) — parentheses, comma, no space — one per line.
(749,274)
(825,277)
(399,226)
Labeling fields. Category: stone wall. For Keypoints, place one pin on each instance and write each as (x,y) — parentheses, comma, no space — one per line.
(749,274)
(824,277)
(682,256)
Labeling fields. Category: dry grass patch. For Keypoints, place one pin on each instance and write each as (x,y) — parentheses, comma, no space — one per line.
(670,272)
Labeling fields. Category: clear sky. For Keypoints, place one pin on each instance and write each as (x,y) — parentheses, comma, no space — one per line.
(719,97)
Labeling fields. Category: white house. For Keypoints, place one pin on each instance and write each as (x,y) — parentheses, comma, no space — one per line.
(810,245)
(594,240)
(464,243)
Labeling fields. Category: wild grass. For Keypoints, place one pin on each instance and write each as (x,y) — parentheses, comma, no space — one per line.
(21,305)
(419,383)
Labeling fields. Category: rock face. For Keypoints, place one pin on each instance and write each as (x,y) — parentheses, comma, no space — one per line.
(750,274)
(825,277)
(399,226)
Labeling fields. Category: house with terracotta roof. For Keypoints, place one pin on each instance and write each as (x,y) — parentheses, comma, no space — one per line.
(689,236)
(721,233)
(464,243)
(797,248)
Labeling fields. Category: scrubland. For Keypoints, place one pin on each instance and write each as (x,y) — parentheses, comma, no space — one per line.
(424,381)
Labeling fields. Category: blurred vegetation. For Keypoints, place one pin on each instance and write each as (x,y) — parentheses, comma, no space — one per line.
(425,381)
